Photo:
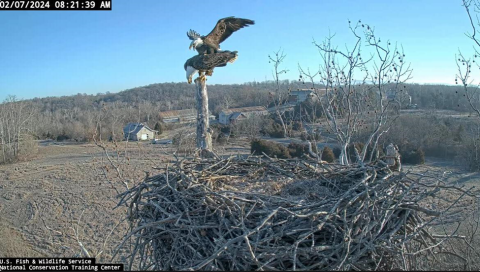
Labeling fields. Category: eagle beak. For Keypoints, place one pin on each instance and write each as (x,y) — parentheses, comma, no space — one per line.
(189,80)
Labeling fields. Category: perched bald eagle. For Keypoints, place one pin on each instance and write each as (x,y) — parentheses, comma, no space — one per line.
(211,43)
(206,63)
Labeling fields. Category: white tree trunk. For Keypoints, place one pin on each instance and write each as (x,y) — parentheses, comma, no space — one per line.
(343,154)
(204,135)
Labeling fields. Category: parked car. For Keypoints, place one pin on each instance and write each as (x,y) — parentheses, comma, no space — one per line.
(158,141)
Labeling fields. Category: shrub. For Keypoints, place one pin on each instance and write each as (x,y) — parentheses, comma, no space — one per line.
(271,149)
(297,126)
(337,151)
(327,154)
(415,156)
(63,137)
(159,128)
(222,138)
(310,136)
(298,149)
(411,154)
(272,128)
(275,131)
(448,151)
(227,130)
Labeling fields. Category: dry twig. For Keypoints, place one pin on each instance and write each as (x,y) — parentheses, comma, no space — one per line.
(249,214)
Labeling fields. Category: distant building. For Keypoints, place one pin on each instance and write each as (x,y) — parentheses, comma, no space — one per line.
(237,116)
(300,96)
(229,116)
(181,116)
(400,97)
(391,95)
(138,132)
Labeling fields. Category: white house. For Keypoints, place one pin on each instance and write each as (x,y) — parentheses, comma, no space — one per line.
(138,132)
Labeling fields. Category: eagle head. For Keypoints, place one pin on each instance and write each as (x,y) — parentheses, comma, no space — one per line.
(196,43)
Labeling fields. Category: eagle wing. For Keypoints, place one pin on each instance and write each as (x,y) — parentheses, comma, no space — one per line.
(210,61)
(225,27)
(193,35)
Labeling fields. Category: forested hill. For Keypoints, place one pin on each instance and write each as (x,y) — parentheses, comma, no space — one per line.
(75,116)
(170,96)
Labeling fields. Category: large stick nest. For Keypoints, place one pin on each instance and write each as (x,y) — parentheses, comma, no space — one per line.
(265,214)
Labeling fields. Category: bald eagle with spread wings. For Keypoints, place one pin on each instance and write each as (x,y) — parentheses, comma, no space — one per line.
(211,43)
(204,64)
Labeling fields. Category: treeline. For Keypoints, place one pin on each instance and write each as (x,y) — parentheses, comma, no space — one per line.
(441,97)
(436,135)
(79,117)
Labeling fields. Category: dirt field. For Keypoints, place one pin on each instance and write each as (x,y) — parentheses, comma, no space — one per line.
(67,195)
(46,202)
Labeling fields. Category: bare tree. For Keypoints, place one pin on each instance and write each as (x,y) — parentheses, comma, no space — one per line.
(464,64)
(470,84)
(278,98)
(354,89)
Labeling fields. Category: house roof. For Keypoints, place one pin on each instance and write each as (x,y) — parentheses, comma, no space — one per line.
(177,113)
(134,128)
(244,109)
(236,115)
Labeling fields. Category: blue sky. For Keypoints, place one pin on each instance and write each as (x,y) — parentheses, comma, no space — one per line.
(55,53)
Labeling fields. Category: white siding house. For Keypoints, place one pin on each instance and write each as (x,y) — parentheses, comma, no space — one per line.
(138,132)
